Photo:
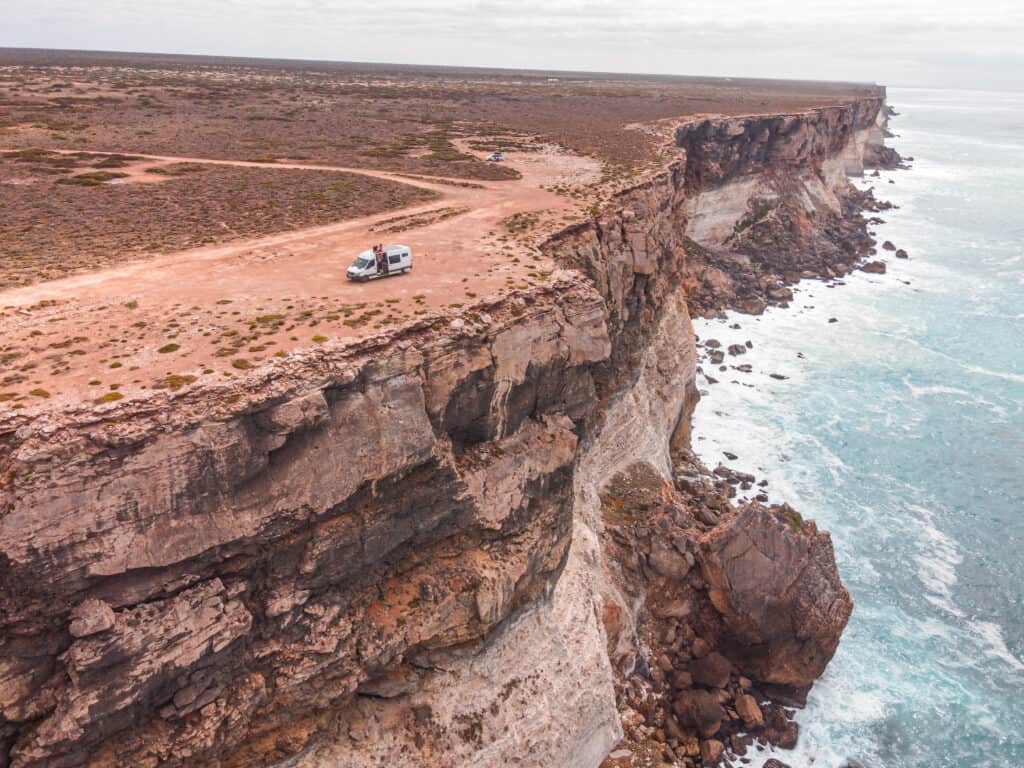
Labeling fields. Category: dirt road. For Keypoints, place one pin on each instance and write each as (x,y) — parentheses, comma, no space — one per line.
(204,312)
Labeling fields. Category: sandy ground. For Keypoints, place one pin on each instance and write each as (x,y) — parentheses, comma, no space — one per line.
(216,311)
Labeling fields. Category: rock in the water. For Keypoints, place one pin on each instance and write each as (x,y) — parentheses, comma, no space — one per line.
(888,246)
(712,343)
(773,763)
(785,738)
(737,349)
(779,729)
(752,305)
(901,254)
(773,578)
(874,267)
(90,618)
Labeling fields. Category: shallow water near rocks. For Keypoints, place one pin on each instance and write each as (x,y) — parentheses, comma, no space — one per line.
(901,430)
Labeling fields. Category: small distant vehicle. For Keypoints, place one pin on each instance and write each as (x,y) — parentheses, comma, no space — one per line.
(496,157)
(380,261)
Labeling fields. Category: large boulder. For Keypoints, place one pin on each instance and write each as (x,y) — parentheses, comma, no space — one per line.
(748,709)
(711,751)
(701,711)
(773,578)
(711,671)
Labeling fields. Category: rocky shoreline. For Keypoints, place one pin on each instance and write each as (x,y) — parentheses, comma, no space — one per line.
(717,581)
(712,685)
(776,246)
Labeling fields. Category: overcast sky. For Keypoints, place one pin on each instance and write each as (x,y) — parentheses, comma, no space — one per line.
(966,43)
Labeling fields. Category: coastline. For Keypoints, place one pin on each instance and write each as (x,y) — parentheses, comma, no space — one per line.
(861,435)
(709,473)
(476,404)
(716,439)
(786,342)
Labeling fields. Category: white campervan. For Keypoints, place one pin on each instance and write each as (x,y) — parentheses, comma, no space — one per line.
(392,260)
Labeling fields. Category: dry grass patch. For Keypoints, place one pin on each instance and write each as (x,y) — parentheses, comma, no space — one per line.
(92,179)
(52,230)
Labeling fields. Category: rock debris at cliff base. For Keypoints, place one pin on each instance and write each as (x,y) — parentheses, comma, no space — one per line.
(727,596)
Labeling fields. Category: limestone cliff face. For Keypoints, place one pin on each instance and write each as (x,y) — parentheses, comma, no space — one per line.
(768,201)
(395,552)
(179,583)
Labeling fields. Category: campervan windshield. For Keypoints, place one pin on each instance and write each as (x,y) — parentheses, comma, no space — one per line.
(362,263)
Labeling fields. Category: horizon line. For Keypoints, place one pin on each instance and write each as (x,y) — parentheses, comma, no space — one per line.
(478,67)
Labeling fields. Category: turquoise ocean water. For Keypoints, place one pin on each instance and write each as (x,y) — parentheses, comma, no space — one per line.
(901,430)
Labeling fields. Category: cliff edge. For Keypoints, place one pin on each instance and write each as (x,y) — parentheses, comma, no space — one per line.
(477,540)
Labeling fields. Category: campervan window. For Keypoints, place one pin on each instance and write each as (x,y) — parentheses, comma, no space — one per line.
(395,258)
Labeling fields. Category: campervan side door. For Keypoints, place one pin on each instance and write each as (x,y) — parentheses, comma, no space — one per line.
(399,262)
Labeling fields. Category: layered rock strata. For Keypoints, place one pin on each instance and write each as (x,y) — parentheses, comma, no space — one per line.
(768,202)
(400,551)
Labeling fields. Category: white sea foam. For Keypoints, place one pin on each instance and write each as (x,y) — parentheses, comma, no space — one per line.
(992,635)
(936,562)
(963,397)
(1015,377)
(938,353)
(994,315)
(852,708)
(919,392)
(930,627)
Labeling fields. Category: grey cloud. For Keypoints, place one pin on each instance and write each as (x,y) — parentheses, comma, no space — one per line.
(920,42)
